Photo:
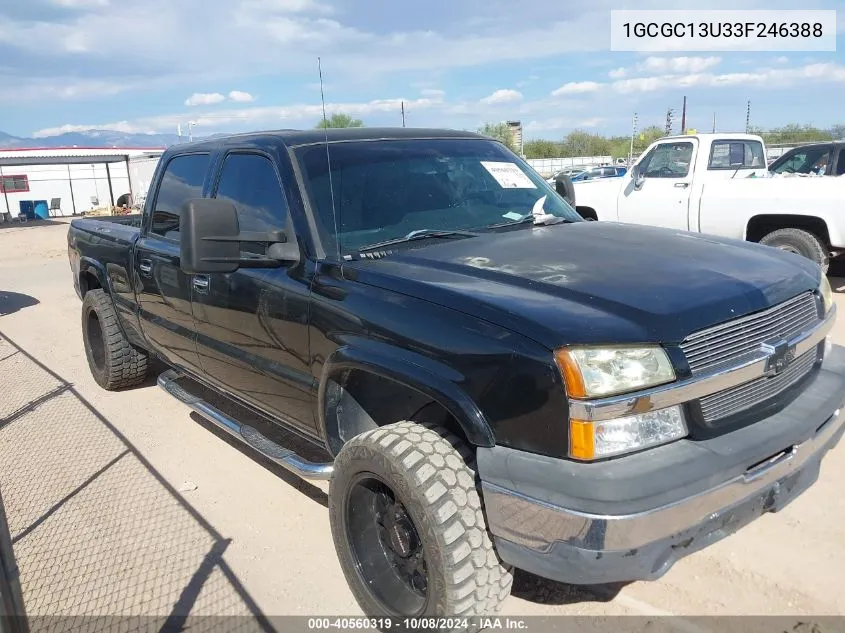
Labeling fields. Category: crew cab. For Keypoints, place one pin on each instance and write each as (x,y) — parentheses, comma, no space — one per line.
(488,381)
(718,184)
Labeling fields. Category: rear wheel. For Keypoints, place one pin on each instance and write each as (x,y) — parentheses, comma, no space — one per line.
(409,528)
(800,242)
(113,361)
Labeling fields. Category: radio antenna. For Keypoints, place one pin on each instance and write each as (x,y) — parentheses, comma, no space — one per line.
(329,160)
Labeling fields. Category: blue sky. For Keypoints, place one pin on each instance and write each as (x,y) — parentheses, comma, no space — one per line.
(234,65)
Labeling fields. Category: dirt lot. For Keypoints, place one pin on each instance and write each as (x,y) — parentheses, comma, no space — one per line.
(122,503)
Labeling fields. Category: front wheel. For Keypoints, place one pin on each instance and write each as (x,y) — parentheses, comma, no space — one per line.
(409,529)
(800,242)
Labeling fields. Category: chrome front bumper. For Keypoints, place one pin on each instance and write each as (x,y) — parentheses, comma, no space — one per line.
(562,520)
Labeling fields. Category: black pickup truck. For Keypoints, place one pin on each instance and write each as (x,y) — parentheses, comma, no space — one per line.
(488,381)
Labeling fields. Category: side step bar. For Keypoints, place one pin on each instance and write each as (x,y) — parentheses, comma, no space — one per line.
(251,437)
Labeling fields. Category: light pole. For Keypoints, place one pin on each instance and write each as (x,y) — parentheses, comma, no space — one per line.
(191,125)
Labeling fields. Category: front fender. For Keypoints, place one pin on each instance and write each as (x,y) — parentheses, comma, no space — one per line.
(431,379)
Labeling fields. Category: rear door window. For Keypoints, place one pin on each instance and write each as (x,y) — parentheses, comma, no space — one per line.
(182,180)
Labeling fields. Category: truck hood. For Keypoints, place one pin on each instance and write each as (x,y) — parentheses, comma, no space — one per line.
(594,282)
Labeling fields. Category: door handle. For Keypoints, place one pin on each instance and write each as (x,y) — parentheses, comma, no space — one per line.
(145,266)
(201,283)
(682,185)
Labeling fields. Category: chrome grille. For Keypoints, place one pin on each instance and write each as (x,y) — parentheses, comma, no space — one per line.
(736,399)
(731,340)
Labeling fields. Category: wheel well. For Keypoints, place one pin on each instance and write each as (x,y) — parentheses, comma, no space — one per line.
(587,213)
(358,400)
(88,281)
(761,225)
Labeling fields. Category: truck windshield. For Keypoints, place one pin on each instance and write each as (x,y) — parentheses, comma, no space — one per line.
(386,189)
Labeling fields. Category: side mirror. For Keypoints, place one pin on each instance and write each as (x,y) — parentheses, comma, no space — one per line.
(637,176)
(210,240)
(635,172)
(204,218)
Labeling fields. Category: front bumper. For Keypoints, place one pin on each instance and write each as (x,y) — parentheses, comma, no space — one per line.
(632,518)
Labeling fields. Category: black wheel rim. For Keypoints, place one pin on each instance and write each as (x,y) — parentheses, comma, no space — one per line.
(95,340)
(386,547)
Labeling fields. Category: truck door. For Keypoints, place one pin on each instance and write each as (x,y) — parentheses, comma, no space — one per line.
(664,195)
(252,325)
(164,291)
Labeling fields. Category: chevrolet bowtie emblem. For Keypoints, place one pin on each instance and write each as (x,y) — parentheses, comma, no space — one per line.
(778,356)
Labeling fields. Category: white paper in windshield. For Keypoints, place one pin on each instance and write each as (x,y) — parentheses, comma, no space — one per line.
(508,175)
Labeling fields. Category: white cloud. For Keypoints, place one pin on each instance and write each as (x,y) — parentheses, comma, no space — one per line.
(204,98)
(782,59)
(504,95)
(433,93)
(122,126)
(618,73)
(284,6)
(241,97)
(767,78)
(576,88)
(81,4)
(546,125)
(678,64)
(255,116)
(14,91)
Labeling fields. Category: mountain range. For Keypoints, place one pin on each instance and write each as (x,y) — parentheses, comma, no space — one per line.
(92,138)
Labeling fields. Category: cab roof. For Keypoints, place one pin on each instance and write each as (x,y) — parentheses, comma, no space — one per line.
(293,138)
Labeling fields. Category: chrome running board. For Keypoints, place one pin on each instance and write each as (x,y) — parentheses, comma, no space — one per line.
(284,457)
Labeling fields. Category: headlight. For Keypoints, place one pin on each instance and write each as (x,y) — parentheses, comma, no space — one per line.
(826,293)
(594,440)
(591,372)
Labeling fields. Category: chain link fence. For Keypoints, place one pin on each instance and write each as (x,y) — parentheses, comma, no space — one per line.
(101,540)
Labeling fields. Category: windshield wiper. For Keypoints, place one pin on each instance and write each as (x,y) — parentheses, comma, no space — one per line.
(543,220)
(419,234)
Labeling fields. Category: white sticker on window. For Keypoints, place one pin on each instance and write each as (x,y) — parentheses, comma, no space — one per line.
(508,175)
(512,215)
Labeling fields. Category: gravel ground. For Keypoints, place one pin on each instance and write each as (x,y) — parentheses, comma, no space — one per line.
(125,504)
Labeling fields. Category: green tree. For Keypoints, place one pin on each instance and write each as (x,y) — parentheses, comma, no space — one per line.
(339,119)
(542,148)
(582,143)
(500,132)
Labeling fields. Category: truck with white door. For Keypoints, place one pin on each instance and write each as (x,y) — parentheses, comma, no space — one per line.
(719,184)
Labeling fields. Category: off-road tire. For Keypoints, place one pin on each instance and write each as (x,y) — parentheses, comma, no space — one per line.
(113,361)
(801,242)
(433,473)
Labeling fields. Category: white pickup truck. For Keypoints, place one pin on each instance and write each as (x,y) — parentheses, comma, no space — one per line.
(719,184)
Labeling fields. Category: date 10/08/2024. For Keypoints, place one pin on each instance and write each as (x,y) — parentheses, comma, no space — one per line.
(420,624)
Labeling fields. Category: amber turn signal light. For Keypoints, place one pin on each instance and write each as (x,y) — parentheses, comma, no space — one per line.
(582,443)
(571,374)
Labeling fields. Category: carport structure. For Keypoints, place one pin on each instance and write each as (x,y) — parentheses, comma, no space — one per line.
(40,172)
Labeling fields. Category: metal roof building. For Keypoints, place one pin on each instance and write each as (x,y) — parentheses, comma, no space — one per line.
(70,180)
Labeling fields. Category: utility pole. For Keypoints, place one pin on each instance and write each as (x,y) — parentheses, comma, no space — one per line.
(633,134)
(684,117)
(191,125)
(748,116)
(669,114)
(403,113)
